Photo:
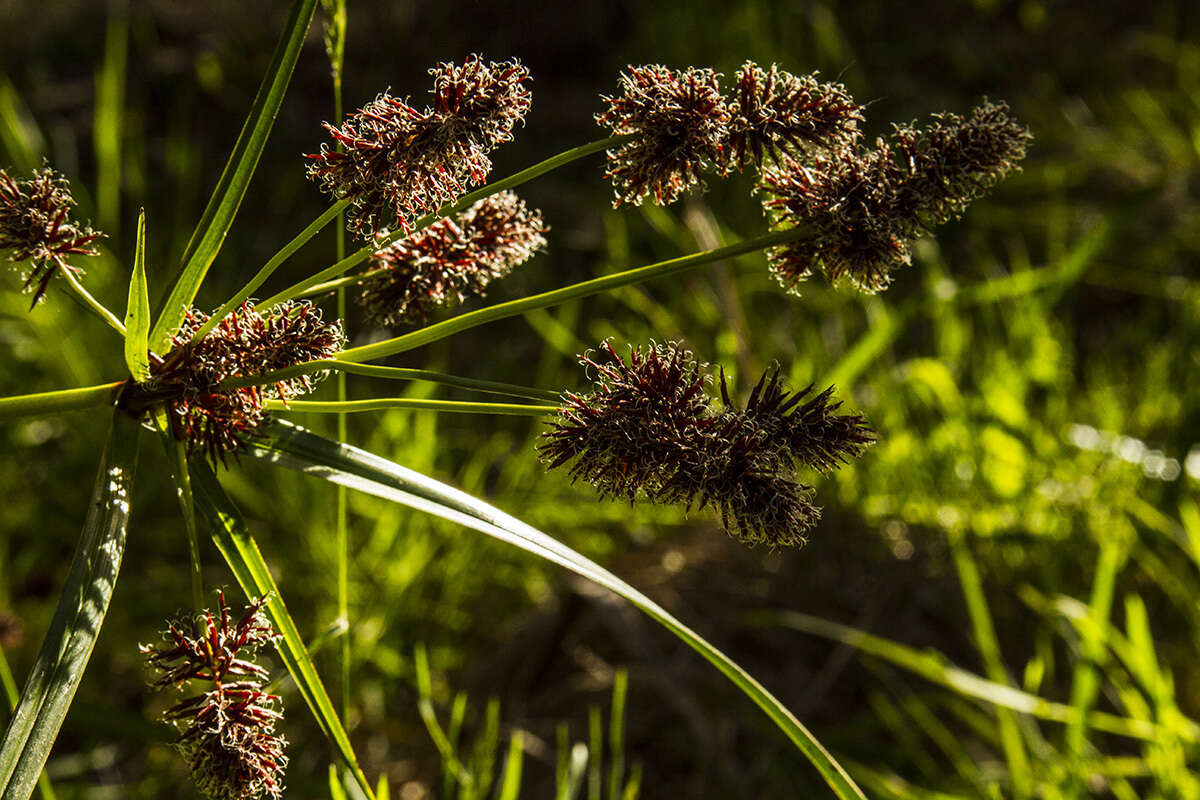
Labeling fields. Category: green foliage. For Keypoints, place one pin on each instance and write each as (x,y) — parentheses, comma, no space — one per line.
(1031,380)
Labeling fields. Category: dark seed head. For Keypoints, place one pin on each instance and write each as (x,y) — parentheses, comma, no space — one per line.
(452,259)
(227,732)
(36,226)
(864,208)
(246,343)
(777,113)
(650,430)
(400,163)
(679,123)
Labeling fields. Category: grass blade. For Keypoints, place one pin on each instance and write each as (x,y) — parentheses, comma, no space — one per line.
(10,693)
(227,197)
(107,127)
(294,448)
(511,788)
(935,668)
(241,552)
(76,624)
(137,311)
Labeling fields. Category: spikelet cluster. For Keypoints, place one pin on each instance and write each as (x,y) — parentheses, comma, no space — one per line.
(650,429)
(865,207)
(681,125)
(775,113)
(452,259)
(679,122)
(399,162)
(227,732)
(36,226)
(247,342)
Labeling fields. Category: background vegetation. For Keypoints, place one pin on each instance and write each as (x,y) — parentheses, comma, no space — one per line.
(1029,515)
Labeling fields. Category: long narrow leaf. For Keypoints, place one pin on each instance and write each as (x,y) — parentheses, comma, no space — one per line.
(241,552)
(227,197)
(76,624)
(137,311)
(295,448)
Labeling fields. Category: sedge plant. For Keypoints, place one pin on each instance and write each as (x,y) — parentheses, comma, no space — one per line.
(649,421)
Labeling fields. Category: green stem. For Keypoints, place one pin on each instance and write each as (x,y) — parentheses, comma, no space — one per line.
(363,254)
(243,294)
(1085,681)
(30,405)
(188,508)
(396,373)
(989,649)
(383,403)
(482,316)
(342,496)
(92,303)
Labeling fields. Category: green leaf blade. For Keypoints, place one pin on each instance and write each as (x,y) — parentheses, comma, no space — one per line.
(137,311)
(223,206)
(292,447)
(68,644)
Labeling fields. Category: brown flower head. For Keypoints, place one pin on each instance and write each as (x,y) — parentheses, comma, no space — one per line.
(246,343)
(649,429)
(452,259)
(775,112)
(865,208)
(631,432)
(227,732)
(481,101)
(399,163)
(36,226)
(679,122)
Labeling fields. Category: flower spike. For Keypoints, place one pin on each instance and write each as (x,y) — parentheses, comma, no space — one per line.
(679,121)
(227,733)
(35,225)
(650,430)
(776,113)
(247,342)
(400,163)
(865,208)
(452,259)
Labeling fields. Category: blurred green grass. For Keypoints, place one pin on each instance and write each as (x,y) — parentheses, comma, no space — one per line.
(1032,378)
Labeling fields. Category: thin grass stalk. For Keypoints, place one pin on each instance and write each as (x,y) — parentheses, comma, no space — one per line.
(989,649)
(42,403)
(382,403)
(91,303)
(396,373)
(1085,680)
(336,211)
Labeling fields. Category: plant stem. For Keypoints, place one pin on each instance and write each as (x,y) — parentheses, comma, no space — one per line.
(482,316)
(92,303)
(471,319)
(243,294)
(342,496)
(516,179)
(383,403)
(188,507)
(989,650)
(32,405)
(396,373)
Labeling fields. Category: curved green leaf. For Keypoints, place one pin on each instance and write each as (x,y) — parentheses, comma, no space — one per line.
(76,624)
(293,447)
(137,311)
(227,197)
(241,552)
